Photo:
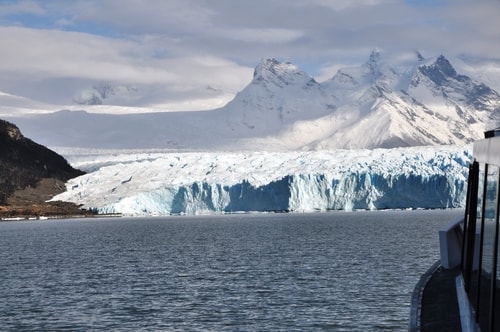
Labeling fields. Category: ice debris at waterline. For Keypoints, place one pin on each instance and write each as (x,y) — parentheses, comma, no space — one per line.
(198,183)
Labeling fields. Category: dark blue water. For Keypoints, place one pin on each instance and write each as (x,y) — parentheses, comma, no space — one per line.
(286,272)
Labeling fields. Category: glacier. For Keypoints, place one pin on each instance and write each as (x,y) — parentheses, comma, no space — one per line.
(155,182)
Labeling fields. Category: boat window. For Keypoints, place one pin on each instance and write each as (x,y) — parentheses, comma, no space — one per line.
(489,211)
(496,288)
(472,271)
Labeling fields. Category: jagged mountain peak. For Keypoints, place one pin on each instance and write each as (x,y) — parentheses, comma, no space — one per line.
(419,55)
(372,66)
(445,66)
(440,71)
(375,55)
(456,87)
(274,66)
(277,96)
(280,73)
(351,77)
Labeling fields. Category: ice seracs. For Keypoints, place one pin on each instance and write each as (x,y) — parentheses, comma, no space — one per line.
(157,183)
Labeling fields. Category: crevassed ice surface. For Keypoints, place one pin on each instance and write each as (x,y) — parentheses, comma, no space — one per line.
(160,183)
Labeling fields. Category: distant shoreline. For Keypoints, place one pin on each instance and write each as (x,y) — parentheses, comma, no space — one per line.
(43,211)
(62,216)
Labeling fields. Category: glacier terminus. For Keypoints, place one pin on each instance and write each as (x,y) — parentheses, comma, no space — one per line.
(158,183)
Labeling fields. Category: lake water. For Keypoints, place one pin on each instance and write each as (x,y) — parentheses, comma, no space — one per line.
(340,271)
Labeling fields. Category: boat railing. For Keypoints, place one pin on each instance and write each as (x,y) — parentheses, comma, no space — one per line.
(450,244)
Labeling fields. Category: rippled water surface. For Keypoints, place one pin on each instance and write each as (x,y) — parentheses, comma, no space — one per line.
(342,271)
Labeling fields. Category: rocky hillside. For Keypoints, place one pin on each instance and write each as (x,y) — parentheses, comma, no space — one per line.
(30,174)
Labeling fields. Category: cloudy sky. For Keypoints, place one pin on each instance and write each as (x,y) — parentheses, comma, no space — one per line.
(197,53)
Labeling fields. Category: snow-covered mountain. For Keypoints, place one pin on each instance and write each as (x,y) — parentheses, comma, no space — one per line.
(377,104)
(158,183)
(418,105)
(104,92)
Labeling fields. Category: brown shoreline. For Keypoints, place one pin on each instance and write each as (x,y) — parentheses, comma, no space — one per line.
(44,210)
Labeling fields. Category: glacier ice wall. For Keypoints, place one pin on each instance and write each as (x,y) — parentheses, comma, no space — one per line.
(158,183)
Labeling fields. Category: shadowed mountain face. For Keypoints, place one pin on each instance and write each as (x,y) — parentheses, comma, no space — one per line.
(24,164)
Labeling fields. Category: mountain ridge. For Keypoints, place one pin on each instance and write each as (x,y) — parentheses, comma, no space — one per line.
(374,105)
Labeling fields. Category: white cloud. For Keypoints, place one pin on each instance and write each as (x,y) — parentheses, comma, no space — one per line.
(59,56)
(21,7)
(263,35)
(339,5)
(186,45)
(70,54)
